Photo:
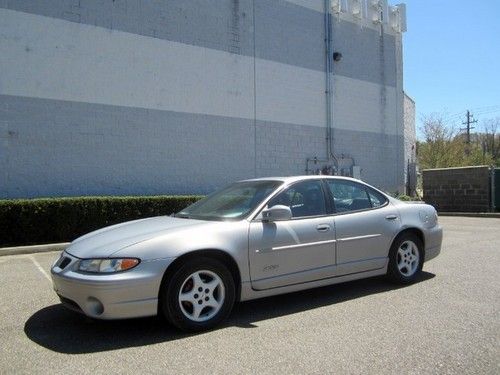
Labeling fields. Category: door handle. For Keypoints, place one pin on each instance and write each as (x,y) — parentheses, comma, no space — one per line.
(323,228)
(391,217)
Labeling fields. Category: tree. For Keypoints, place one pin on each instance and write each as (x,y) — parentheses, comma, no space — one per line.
(444,147)
(491,140)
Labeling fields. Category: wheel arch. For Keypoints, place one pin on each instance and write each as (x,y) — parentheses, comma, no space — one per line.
(217,254)
(413,230)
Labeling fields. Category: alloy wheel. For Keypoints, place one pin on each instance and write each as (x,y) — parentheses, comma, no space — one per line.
(408,258)
(201,296)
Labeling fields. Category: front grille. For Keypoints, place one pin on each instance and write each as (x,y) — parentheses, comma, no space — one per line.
(70,304)
(64,262)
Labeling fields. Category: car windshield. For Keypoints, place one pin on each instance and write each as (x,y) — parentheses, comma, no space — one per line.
(231,203)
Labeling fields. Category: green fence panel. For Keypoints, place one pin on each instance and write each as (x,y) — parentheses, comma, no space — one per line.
(497,189)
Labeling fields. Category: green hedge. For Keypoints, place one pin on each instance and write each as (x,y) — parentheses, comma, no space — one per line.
(51,220)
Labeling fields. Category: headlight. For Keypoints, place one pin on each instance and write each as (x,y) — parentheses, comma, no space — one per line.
(107,265)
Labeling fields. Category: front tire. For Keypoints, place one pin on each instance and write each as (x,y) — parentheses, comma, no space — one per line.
(406,258)
(199,295)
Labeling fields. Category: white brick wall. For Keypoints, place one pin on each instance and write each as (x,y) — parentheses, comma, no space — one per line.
(117,98)
(409,129)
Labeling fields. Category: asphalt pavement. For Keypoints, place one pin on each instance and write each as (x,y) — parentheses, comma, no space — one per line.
(446,323)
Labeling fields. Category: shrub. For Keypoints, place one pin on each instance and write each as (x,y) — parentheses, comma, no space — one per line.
(406,198)
(403,197)
(49,220)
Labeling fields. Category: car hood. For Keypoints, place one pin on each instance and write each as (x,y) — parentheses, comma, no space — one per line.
(107,241)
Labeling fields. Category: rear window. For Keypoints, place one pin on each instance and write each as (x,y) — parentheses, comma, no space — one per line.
(352,196)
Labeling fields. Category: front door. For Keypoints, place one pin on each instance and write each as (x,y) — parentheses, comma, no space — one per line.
(298,250)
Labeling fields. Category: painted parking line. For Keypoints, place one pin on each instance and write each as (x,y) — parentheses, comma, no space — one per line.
(40,268)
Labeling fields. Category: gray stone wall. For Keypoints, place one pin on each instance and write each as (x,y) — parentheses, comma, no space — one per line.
(155,97)
(83,148)
(466,189)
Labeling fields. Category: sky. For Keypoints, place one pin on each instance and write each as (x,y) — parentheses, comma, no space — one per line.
(451,57)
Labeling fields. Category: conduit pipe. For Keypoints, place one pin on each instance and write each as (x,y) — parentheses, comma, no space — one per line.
(330,154)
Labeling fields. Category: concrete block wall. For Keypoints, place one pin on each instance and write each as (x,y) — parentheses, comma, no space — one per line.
(466,189)
(138,97)
(409,129)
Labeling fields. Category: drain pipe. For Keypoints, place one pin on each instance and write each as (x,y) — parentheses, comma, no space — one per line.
(330,154)
(329,88)
(328,93)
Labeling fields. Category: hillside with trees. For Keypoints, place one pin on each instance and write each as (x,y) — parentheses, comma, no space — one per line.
(444,146)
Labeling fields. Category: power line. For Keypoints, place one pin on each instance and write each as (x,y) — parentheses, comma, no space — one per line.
(478,110)
(488,112)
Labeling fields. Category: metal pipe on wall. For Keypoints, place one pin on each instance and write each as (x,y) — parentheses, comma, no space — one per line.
(330,154)
(329,89)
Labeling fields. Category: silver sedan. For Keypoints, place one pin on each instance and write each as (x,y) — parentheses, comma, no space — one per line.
(252,239)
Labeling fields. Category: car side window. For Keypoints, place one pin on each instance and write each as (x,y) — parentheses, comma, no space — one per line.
(304,199)
(349,196)
(376,198)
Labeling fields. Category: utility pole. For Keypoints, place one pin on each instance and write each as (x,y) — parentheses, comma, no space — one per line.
(468,127)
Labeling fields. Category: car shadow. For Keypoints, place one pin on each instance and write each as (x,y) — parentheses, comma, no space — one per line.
(61,330)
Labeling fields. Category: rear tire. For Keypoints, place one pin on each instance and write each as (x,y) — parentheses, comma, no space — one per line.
(199,295)
(406,258)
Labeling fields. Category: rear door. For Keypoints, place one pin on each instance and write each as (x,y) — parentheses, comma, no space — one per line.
(298,250)
(365,224)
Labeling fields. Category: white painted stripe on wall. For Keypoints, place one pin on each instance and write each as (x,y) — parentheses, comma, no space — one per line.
(49,58)
(290,94)
(317,5)
(364,106)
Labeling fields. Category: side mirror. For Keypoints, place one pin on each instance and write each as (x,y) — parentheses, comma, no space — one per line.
(277,213)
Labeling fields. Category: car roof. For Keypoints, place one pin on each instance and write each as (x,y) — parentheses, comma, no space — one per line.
(289,179)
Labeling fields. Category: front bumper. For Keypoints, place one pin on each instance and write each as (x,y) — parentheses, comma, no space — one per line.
(128,294)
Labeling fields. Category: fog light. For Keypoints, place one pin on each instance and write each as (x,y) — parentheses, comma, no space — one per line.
(95,306)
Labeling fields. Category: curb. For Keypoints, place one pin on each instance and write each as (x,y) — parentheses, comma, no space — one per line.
(471,214)
(18,250)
